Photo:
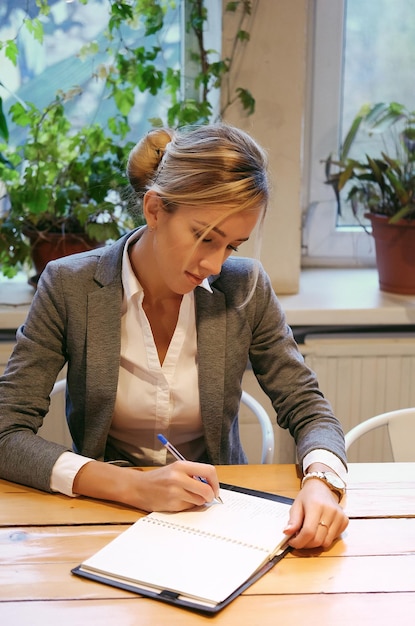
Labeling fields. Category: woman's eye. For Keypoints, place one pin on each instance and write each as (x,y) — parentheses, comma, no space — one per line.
(199,236)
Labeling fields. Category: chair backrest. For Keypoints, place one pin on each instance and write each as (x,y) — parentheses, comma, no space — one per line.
(54,427)
(59,386)
(401,425)
(268,442)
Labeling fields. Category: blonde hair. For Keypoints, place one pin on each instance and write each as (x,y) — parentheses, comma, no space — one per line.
(209,165)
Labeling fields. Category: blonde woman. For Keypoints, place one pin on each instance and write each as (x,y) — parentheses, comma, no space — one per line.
(156,331)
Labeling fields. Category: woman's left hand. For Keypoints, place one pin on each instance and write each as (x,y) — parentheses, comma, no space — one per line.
(316,517)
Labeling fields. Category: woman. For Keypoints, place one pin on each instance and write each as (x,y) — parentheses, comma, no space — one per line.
(156,331)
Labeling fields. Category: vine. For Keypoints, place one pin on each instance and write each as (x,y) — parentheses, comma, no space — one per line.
(137,68)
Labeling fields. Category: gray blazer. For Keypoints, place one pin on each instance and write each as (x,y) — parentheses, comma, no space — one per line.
(75,319)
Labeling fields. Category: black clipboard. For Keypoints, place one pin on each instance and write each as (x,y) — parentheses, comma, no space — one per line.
(173,598)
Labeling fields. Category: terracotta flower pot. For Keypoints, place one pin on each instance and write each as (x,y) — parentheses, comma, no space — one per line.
(47,247)
(395,253)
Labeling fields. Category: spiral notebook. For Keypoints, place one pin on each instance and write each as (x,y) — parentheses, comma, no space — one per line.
(200,559)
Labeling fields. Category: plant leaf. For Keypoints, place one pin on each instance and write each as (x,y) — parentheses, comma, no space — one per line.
(4,130)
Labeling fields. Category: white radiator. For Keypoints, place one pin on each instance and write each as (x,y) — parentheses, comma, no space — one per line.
(363,375)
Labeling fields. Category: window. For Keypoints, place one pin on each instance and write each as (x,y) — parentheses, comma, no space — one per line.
(58,63)
(363,51)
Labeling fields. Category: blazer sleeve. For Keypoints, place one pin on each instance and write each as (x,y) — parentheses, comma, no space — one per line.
(37,358)
(258,329)
(291,385)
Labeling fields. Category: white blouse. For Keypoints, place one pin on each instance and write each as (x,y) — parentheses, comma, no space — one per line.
(154,398)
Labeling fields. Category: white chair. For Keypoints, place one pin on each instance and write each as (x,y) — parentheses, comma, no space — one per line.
(401,428)
(58,387)
(268,442)
(54,427)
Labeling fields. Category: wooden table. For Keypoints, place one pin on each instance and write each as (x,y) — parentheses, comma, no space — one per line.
(367,577)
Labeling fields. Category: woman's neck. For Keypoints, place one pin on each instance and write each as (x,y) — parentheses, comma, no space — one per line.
(145,268)
(160,304)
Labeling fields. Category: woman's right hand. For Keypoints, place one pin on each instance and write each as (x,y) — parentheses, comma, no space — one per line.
(169,488)
(174,487)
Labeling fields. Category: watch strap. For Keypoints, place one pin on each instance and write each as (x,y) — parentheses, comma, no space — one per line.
(325,478)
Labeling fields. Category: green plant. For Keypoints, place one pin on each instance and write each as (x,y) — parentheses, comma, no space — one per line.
(61,178)
(135,69)
(136,60)
(60,181)
(384,182)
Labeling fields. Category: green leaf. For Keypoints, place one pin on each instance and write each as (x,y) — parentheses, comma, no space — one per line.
(404,212)
(243,35)
(346,175)
(351,135)
(382,116)
(376,169)
(247,100)
(4,131)
(11,51)
(35,27)
(156,122)
(44,8)
(89,49)
(19,114)
(38,202)
(120,13)
(102,231)
(124,99)
(397,187)
(153,16)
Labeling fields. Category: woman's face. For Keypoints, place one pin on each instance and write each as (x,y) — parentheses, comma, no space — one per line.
(183,259)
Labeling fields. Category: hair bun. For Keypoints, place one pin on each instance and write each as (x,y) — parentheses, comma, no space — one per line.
(157,141)
(145,157)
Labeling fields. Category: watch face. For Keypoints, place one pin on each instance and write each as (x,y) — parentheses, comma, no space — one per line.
(335,480)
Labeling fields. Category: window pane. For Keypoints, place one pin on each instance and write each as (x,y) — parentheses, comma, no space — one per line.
(379,62)
(43,69)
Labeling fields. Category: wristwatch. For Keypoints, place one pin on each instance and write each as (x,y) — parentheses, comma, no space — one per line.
(332,480)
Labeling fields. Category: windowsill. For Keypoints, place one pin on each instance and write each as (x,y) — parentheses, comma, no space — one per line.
(327,297)
(340,296)
(15,298)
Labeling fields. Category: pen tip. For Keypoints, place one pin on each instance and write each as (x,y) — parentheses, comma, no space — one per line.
(162,439)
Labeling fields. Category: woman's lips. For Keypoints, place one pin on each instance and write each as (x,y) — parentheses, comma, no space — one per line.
(195,280)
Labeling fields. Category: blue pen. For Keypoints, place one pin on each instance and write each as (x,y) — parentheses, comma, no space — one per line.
(180,457)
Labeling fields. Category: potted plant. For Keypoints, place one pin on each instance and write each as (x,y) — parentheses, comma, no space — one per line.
(381,188)
(65,188)
(68,180)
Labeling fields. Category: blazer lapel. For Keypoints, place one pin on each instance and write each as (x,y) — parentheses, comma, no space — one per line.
(211,341)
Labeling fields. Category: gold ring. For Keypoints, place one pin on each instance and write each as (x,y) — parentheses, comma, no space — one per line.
(322,524)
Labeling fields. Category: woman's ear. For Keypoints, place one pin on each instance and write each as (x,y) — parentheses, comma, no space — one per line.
(152,205)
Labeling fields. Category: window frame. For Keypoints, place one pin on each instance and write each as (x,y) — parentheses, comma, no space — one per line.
(323,243)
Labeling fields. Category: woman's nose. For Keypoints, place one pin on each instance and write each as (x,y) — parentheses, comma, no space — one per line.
(213,262)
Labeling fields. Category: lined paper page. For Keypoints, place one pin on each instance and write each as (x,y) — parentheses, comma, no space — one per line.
(184,552)
(241,517)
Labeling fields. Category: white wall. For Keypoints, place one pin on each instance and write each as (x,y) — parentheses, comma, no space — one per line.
(273,68)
